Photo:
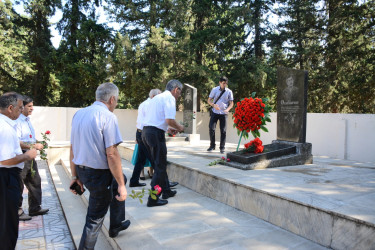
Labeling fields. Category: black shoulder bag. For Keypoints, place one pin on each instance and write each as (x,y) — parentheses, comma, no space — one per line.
(222,92)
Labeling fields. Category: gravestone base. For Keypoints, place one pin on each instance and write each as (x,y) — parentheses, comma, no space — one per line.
(194,139)
(278,154)
(183,139)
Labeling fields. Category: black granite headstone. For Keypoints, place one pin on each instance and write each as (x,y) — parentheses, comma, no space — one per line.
(291,105)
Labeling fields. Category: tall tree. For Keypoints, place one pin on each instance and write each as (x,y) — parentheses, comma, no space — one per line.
(349,57)
(302,36)
(82,53)
(44,85)
(16,68)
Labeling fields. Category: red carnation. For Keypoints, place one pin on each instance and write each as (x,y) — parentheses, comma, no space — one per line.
(48,132)
(157,188)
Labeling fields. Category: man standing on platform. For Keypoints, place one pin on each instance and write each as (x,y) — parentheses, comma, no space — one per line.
(96,163)
(11,164)
(221,101)
(161,113)
(26,134)
(142,151)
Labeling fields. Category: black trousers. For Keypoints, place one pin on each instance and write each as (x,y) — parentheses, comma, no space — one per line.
(33,185)
(223,129)
(103,189)
(9,199)
(154,140)
(141,158)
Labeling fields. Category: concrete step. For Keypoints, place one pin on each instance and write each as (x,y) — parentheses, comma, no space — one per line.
(193,221)
(295,202)
(330,202)
(75,208)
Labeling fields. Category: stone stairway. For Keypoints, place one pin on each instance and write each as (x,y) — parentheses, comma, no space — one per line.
(218,207)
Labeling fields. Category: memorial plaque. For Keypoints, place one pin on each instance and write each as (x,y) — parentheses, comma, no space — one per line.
(190,109)
(291,105)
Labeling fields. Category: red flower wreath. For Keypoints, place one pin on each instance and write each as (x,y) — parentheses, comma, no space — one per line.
(250,115)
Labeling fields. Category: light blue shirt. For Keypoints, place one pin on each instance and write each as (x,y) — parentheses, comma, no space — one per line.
(25,130)
(94,129)
(9,142)
(161,107)
(224,100)
(142,109)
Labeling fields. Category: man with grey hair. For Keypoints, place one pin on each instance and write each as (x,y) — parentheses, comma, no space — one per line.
(11,164)
(142,151)
(161,115)
(95,162)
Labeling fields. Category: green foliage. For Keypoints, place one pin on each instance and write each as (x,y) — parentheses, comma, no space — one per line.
(195,41)
(16,67)
(141,194)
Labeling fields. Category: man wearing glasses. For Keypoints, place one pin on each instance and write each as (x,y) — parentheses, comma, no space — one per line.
(221,101)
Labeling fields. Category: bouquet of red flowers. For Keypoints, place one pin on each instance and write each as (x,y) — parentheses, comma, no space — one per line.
(251,115)
(254,146)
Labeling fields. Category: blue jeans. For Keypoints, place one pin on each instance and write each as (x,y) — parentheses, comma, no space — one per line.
(103,189)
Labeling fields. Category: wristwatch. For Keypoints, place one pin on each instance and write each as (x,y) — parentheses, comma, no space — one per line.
(74,178)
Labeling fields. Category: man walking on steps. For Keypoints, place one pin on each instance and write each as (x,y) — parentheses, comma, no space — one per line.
(96,163)
(161,115)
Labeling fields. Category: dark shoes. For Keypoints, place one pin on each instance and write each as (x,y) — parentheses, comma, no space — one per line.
(137,184)
(39,212)
(222,151)
(142,178)
(149,174)
(154,203)
(173,183)
(210,149)
(24,217)
(168,194)
(113,232)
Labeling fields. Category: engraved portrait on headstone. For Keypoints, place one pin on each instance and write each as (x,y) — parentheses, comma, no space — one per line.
(290,93)
(188,101)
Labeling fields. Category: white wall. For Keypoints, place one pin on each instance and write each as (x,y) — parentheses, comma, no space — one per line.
(342,136)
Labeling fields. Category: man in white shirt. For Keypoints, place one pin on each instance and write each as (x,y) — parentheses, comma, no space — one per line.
(96,163)
(26,134)
(11,164)
(161,114)
(142,151)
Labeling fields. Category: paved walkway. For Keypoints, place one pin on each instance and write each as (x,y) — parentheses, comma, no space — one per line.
(194,221)
(49,231)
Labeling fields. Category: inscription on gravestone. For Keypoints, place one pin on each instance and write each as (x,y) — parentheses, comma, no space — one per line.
(291,105)
(190,109)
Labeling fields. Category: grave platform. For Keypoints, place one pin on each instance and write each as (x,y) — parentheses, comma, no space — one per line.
(277,154)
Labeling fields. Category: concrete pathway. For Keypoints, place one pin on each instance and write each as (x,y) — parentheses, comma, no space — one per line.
(49,231)
(195,221)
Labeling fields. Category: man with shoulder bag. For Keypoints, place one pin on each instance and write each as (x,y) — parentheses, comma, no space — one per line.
(221,101)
